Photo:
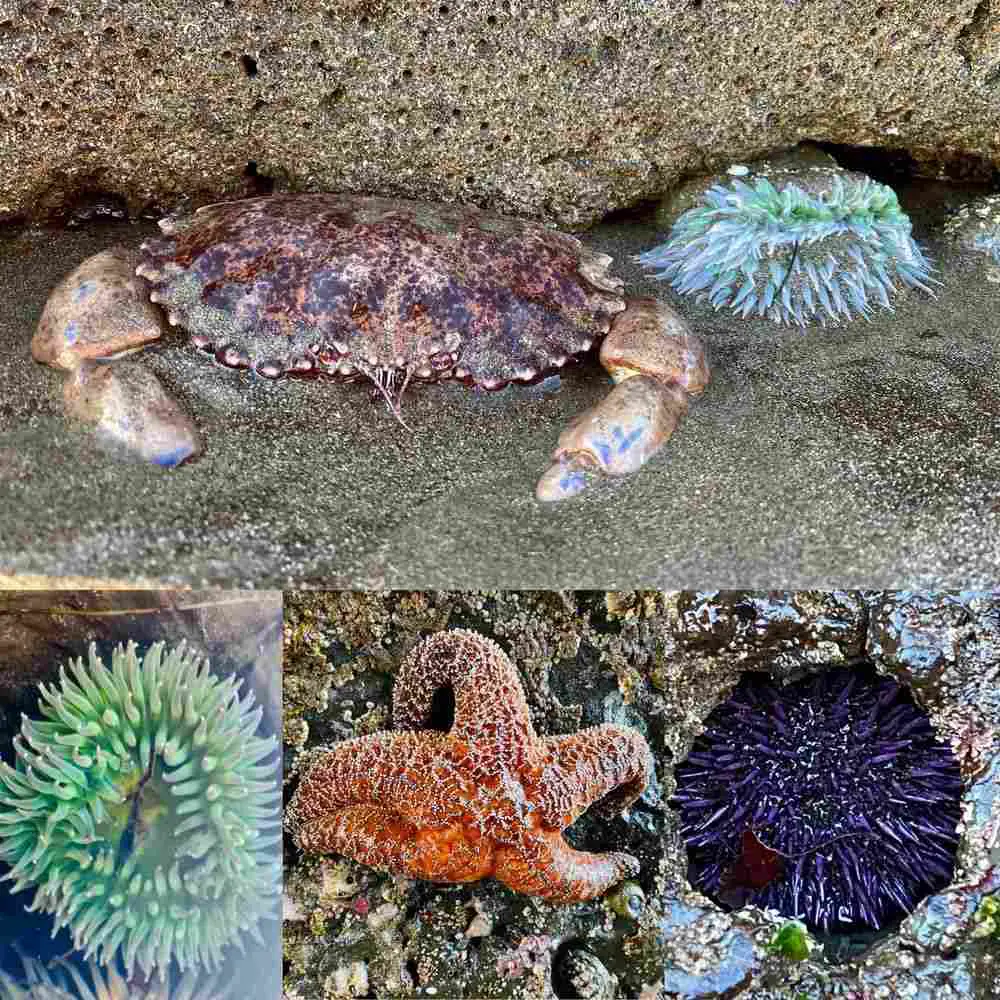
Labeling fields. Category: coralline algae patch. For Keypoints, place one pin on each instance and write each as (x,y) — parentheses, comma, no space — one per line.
(975,228)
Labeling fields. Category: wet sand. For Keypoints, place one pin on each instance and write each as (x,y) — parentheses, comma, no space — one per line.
(860,456)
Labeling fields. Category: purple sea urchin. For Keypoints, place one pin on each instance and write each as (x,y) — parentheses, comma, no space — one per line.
(144,807)
(839,777)
(818,243)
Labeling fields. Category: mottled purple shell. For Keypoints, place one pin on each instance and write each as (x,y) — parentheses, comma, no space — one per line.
(345,284)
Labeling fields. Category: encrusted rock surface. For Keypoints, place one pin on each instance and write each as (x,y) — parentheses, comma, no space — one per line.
(562,110)
(659,662)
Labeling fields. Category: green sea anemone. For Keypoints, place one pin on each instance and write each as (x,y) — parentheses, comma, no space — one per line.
(64,982)
(975,227)
(144,807)
(817,244)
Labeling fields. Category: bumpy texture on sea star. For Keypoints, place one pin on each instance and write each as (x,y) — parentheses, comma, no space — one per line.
(488,798)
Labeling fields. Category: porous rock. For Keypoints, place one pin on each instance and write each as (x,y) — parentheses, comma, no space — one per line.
(562,110)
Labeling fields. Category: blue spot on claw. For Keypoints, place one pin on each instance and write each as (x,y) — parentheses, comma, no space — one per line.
(604,450)
(625,441)
(84,290)
(572,483)
(71,332)
(171,458)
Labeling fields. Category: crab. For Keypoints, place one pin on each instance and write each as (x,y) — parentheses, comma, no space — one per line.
(396,292)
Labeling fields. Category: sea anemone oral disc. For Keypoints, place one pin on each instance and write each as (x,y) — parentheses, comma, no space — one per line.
(823,245)
(830,800)
(144,808)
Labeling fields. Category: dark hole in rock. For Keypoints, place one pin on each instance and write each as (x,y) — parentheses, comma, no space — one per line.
(411,968)
(442,716)
(93,207)
(249,65)
(255,182)
(641,212)
(831,799)
(891,164)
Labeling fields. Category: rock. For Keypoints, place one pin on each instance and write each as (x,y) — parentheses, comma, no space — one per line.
(97,311)
(975,228)
(568,110)
(131,412)
(702,954)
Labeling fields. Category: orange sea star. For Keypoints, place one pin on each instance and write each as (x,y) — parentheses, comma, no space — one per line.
(488,798)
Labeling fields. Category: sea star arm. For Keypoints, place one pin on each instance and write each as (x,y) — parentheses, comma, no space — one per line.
(610,764)
(405,772)
(377,836)
(543,864)
(490,707)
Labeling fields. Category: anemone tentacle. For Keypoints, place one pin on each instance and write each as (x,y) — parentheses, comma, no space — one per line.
(826,248)
(64,981)
(144,809)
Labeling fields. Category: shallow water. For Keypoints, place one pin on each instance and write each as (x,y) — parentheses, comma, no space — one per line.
(864,454)
(241,635)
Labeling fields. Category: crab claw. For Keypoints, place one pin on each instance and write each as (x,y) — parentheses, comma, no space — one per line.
(97,311)
(613,438)
(658,364)
(131,412)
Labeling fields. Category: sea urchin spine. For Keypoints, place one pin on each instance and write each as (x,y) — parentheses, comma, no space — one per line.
(830,800)
(823,245)
(144,807)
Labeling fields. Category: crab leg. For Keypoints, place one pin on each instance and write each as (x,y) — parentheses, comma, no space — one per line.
(657,365)
(96,314)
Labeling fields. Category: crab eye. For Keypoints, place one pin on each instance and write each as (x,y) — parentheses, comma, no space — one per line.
(441,361)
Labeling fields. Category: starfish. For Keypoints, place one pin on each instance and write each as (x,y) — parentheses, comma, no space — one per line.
(488,798)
